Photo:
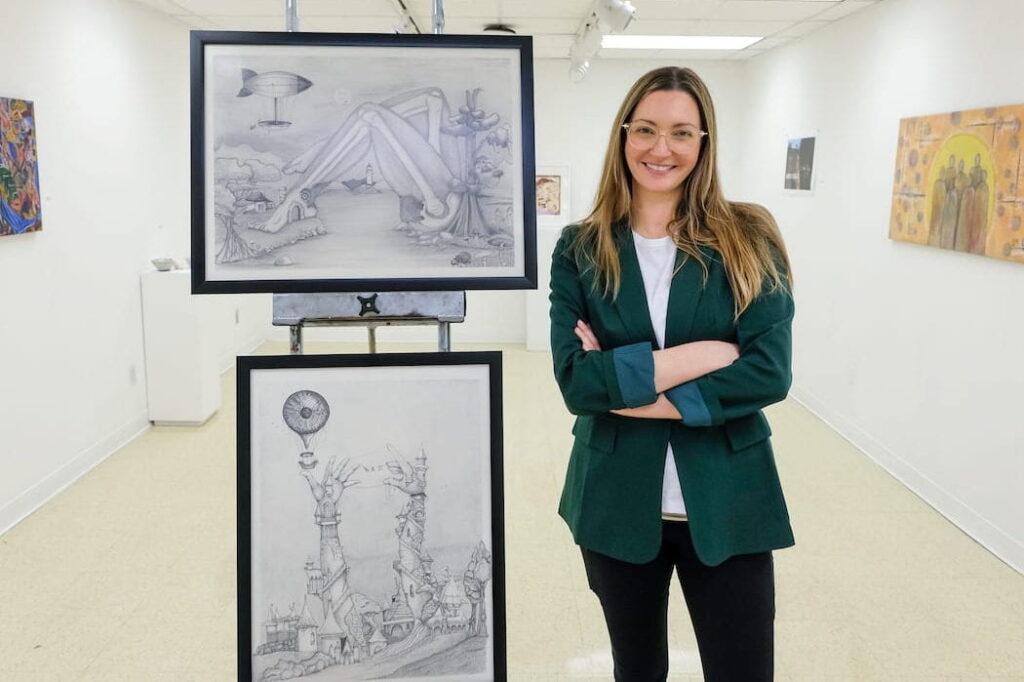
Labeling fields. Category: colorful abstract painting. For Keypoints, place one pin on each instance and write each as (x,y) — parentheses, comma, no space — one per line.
(956,182)
(19,170)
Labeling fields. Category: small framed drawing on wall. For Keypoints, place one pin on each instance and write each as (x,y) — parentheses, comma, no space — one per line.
(799,177)
(553,190)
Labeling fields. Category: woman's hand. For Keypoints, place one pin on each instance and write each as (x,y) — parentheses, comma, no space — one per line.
(587,336)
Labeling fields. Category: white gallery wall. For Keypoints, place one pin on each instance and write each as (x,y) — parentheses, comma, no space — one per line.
(109,80)
(911,352)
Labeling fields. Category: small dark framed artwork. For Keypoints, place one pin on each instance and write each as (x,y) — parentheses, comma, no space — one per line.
(800,163)
(361,162)
(370,523)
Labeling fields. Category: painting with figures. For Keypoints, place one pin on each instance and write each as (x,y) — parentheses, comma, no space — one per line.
(957,182)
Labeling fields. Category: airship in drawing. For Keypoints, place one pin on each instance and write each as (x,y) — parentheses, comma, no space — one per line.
(274,84)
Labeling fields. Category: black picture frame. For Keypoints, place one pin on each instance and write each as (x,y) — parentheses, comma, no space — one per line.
(274,508)
(484,239)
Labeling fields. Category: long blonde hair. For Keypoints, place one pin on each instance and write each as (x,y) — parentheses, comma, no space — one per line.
(745,235)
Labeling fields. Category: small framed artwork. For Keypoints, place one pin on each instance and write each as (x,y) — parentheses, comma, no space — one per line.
(799,175)
(361,162)
(553,196)
(20,210)
(370,524)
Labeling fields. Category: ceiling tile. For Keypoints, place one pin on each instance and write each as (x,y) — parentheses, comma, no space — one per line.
(801,29)
(625,54)
(344,8)
(743,28)
(540,25)
(648,10)
(553,42)
(522,25)
(769,10)
(845,9)
(164,6)
(237,23)
(538,8)
(377,24)
(768,43)
(196,22)
(742,55)
(708,28)
(235,7)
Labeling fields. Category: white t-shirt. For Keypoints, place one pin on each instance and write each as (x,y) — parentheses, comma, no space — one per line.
(657,260)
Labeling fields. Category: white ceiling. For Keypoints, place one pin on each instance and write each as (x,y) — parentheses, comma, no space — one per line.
(552,23)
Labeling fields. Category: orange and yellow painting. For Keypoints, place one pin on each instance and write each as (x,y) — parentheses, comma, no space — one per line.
(957,180)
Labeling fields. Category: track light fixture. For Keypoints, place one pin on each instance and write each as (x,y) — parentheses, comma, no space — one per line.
(615,15)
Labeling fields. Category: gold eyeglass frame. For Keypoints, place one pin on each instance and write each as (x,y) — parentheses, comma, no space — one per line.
(625,126)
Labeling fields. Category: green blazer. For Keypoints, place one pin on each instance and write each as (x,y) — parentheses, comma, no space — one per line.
(612,494)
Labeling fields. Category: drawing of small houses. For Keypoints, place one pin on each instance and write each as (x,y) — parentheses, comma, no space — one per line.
(281,632)
(333,641)
(257,202)
(398,621)
(453,599)
(378,642)
(307,629)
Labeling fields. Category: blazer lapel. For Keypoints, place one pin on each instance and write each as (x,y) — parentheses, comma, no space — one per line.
(631,303)
(683,298)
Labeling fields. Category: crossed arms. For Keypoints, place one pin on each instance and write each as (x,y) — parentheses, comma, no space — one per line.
(703,382)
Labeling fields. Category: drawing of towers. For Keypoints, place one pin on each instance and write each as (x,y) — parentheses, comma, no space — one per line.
(474,580)
(415,584)
(329,580)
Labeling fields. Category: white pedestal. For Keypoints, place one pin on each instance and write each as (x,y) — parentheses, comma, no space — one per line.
(182,377)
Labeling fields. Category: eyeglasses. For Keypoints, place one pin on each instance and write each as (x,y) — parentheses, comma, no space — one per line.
(644,136)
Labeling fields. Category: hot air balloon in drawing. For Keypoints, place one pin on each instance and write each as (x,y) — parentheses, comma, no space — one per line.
(305,413)
(275,84)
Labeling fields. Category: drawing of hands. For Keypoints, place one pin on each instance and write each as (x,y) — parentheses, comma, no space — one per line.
(402,475)
(338,476)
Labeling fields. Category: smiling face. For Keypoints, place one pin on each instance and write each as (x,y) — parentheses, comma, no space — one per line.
(660,170)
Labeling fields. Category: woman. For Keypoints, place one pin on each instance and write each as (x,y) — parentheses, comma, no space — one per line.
(670,329)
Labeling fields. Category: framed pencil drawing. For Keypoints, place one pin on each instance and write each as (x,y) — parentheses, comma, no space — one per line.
(361,162)
(370,525)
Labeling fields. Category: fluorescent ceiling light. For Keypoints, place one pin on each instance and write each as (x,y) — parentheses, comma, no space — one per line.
(632,42)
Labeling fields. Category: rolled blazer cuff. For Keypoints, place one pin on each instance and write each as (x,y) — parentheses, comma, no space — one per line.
(689,400)
(634,368)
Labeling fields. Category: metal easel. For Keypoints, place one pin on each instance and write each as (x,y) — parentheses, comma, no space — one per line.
(370,310)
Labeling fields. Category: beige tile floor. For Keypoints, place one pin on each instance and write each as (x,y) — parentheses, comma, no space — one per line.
(129,574)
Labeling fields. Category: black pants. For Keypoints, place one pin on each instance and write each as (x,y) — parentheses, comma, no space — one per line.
(732,607)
